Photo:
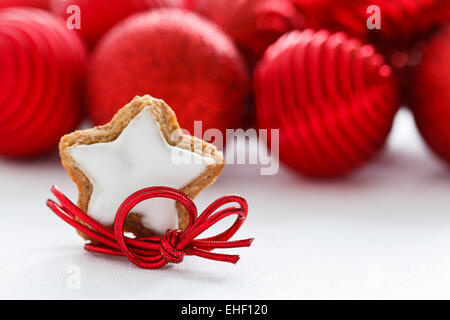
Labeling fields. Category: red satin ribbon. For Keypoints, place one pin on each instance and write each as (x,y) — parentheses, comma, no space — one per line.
(156,251)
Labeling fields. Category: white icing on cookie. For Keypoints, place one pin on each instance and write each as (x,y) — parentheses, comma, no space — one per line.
(140,157)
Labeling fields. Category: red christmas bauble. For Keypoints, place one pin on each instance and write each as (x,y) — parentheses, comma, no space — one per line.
(41,75)
(402,21)
(174,55)
(42,4)
(253,24)
(98,16)
(332,98)
(431,91)
(404,25)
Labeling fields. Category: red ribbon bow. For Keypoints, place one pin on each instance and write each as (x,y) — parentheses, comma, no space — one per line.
(156,251)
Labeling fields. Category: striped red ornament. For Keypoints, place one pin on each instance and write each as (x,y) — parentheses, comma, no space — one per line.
(402,21)
(41,74)
(332,98)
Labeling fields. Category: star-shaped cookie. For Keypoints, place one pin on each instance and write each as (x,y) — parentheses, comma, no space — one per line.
(141,147)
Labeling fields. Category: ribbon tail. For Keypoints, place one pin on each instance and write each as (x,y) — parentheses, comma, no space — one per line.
(103,249)
(210,245)
(231,258)
(69,218)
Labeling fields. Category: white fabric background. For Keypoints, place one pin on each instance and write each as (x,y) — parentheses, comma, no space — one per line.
(382,233)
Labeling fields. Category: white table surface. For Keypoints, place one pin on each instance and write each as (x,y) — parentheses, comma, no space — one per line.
(383,233)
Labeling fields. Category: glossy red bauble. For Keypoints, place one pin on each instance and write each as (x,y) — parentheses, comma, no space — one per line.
(41,76)
(174,55)
(253,24)
(431,95)
(332,98)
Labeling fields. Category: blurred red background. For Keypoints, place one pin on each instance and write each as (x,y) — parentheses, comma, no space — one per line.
(334,112)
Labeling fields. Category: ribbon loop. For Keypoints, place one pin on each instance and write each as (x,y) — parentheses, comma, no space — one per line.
(155,252)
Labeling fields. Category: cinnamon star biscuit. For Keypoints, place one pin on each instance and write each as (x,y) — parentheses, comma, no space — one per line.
(142,146)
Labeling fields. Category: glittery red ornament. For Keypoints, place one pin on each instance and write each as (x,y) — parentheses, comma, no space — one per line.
(402,21)
(41,73)
(253,24)
(332,98)
(42,4)
(173,55)
(98,16)
(431,91)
